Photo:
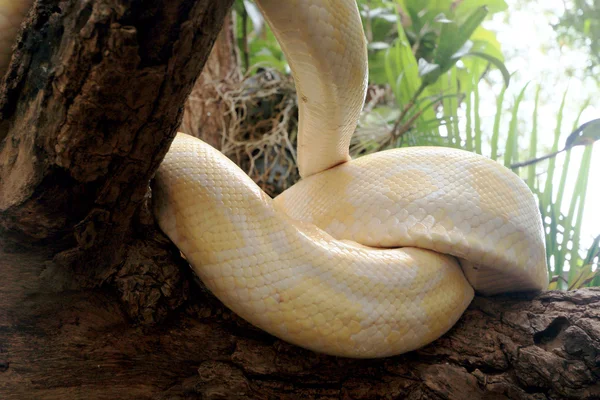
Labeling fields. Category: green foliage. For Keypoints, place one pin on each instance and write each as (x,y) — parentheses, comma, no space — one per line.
(415,48)
(562,230)
(580,26)
(256,41)
(439,32)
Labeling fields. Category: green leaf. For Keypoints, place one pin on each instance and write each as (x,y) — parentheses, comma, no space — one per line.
(469,123)
(447,44)
(428,72)
(427,68)
(549,209)
(464,50)
(547,199)
(378,46)
(533,141)
(511,151)
(577,208)
(402,69)
(477,114)
(472,23)
(485,41)
(497,120)
(428,9)
(415,19)
(238,6)
(441,18)
(586,26)
(434,99)
(496,62)
(453,38)
(493,6)
(585,135)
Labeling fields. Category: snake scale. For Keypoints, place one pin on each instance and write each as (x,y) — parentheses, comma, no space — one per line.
(362,258)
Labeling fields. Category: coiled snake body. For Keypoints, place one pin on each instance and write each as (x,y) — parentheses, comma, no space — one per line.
(362,258)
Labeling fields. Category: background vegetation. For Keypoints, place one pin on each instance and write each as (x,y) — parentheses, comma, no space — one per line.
(434,71)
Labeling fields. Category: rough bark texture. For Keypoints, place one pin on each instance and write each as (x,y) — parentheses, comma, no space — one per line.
(205,115)
(81,345)
(90,104)
(96,304)
(88,108)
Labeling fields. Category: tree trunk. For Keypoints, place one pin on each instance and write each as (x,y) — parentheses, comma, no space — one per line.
(206,116)
(90,104)
(95,303)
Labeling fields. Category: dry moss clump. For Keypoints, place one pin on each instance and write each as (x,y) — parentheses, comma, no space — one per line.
(254,122)
(257,119)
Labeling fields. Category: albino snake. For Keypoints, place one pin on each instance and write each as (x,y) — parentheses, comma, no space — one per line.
(365,258)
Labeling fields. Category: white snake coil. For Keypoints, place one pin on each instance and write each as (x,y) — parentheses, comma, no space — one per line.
(365,258)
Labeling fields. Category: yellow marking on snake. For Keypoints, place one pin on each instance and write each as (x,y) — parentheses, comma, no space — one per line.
(365,258)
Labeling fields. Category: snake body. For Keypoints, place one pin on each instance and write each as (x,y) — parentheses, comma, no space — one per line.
(362,258)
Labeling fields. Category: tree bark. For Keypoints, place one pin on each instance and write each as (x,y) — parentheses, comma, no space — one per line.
(95,303)
(77,344)
(205,116)
(89,106)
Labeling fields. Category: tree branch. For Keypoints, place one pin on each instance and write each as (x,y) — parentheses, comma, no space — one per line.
(79,344)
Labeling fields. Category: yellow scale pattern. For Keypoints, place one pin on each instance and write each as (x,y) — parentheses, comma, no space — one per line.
(326,49)
(365,258)
(292,279)
(446,200)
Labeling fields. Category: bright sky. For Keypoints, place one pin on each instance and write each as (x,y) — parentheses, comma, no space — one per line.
(532,50)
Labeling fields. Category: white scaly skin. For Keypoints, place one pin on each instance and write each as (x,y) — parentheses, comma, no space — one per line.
(309,267)
(449,201)
(327,52)
(335,294)
(290,278)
